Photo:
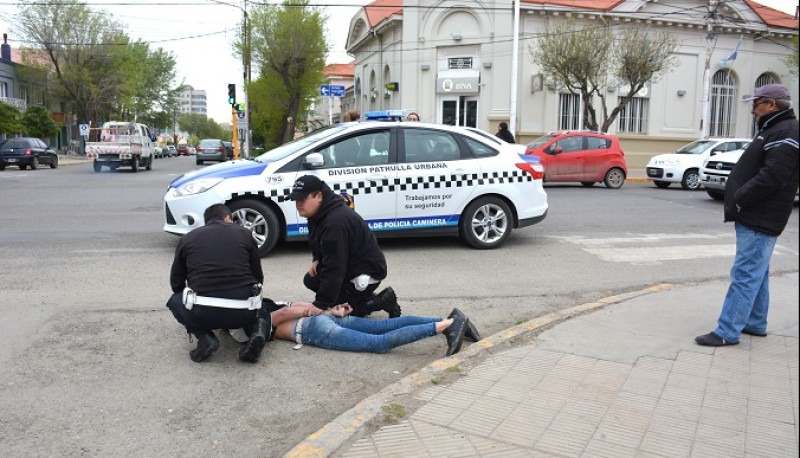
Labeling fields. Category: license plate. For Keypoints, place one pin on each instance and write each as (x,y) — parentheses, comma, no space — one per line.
(719,180)
(11,160)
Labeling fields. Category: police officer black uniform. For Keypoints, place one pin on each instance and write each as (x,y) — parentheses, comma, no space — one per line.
(216,281)
(347,263)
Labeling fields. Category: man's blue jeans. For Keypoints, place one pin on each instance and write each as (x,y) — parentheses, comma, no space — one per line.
(747,301)
(354,333)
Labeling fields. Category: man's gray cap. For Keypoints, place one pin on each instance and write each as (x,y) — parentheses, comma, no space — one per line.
(770,91)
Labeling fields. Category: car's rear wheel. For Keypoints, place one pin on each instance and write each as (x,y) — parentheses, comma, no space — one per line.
(198,162)
(135,164)
(35,163)
(97,167)
(662,184)
(23,167)
(486,223)
(691,180)
(615,178)
(149,165)
(54,164)
(260,220)
(714,194)
(588,184)
(2,167)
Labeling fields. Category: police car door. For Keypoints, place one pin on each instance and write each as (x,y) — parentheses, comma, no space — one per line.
(436,179)
(359,169)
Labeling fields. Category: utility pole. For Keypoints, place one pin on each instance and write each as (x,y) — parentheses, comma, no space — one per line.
(512,106)
(248,132)
(711,19)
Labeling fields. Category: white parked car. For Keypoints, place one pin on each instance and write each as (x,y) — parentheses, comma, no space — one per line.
(683,166)
(404,179)
(715,171)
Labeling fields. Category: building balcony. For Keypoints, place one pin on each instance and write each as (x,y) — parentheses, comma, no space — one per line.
(19,104)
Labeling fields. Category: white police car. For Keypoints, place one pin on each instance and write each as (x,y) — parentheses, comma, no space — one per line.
(402,178)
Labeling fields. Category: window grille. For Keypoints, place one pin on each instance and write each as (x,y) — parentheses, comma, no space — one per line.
(569,111)
(459,63)
(633,117)
(723,94)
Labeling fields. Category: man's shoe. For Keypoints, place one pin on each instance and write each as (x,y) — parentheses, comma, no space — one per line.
(472,332)
(753,333)
(251,352)
(206,344)
(386,300)
(455,334)
(713,340)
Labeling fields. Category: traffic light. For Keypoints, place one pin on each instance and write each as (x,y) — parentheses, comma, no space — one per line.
(239,107)
(232,94)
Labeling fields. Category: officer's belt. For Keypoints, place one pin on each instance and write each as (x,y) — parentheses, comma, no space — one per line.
(190,299)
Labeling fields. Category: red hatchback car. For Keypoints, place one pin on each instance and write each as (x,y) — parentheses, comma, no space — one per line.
(580,156)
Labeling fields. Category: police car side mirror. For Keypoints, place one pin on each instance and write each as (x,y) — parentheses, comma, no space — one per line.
(314,161)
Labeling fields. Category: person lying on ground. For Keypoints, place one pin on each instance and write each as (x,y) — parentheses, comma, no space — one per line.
(334,329)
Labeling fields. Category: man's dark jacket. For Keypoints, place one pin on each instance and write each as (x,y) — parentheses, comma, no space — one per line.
(343,245)
(216,257)
(761,187)
(505,135)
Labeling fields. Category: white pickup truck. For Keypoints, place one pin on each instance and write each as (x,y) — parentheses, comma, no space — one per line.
(121,144)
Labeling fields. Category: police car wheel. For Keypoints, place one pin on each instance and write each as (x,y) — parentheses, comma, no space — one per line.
(716,195)
(662,184)
(486,223)
(260,220)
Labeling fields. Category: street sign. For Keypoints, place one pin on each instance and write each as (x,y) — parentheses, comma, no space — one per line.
(84,128)
(331,90)
(337,91)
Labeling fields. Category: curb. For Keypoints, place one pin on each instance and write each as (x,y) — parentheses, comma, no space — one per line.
(335,434)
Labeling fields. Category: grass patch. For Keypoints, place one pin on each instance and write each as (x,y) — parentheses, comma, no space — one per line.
(393,412)
(454,369)
(521,320)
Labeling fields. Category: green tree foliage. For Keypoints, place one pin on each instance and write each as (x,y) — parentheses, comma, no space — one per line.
(288,45)
(200,126)
(9,119)
(792,60)
(97,69)
(586,59)
(38,122)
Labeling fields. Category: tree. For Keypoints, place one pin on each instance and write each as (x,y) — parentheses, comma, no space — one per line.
(792,60)
(38,122)
(200,126)
(9,119)
(97,69)
(588,60)
(287,43)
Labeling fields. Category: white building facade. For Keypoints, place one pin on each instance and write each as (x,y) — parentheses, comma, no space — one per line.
(451,62)
(193,101)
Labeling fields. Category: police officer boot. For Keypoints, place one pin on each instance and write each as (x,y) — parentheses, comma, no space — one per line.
(386,300)
(207,343)
(258,337)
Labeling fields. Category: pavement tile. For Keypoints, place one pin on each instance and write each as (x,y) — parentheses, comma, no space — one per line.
(472,385)
(511,387)
(724,438)
(651,367)
(558,386)
(712,416)
(483,416)
(677,409)
(673,426)
(691,396)
(636,401)
(560,443)
(587,409)
(429,393)
(770,411)
(456,398)
(666,444)
(702,449)
(757,445)
(602,449)
(437,414)
(628,433)
(724,388)
(644,386)
(690,362)
(522,428)
(693,380)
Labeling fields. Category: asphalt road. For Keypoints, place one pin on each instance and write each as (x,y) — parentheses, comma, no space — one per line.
(92,364)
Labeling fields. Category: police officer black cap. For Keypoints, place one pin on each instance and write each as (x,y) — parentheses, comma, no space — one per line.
(304,186)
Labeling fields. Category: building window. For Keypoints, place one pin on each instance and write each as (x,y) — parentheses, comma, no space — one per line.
(569,111)
(723,95)
(633,117)
(459,63)
(3,90)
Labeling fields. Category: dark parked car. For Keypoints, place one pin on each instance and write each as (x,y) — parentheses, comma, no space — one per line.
(228,149)
(25,152)
(210,149)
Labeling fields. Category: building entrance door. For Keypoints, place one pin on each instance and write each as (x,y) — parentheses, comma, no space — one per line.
(459,111)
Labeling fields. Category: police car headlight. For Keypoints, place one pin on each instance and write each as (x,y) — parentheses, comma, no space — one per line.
(196,187)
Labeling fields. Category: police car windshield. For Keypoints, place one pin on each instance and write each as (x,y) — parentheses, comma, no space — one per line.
(296,145)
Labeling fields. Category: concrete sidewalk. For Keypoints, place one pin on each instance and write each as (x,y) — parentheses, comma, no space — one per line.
(624,380)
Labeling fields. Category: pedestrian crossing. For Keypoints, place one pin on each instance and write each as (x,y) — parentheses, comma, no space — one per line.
(658,248)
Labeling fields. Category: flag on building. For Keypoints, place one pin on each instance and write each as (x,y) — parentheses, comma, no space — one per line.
(728,61)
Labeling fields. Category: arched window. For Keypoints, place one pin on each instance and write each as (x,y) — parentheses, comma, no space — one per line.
(723,95)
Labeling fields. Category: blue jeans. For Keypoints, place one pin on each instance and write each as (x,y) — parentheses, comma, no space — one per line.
(747,301)
(353,333)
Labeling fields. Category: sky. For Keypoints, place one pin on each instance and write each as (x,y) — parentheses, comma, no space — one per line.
(200,32)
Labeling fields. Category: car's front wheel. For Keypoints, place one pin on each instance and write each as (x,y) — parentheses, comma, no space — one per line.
(662,184)
(260,220)
(97,167)
(714,194)
(35,163)
(691,180)
(614,178)
(54,164)
(588,184)
(149,165)
(486,223)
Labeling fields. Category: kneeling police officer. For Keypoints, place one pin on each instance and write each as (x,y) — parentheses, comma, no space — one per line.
(216,281)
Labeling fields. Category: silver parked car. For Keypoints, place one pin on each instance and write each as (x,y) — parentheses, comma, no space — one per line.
(210,149)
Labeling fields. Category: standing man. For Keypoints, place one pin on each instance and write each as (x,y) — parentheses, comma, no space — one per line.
(504,134)
(759,196)
(347,264)
(216,282)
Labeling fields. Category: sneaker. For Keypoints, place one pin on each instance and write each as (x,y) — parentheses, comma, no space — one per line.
(455,334)
(472,332)
(713,340)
